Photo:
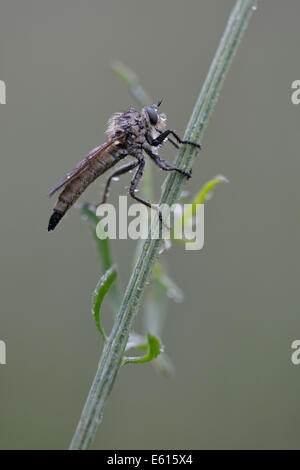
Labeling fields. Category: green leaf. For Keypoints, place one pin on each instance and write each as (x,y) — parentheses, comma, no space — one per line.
(162,363)
(154,349)
(131,81)
(155,311)
(88,212)
(171,289)
(136,341)
(102,288)
(201,197)
(206,191)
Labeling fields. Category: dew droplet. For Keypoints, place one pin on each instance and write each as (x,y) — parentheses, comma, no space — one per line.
(184,195)
(115,178)
(168,244)
(165,246)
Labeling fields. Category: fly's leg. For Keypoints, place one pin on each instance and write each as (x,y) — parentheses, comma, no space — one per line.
(133,186)
(120,171)
(166,166)
(173,143)
(159,140)
(169,139)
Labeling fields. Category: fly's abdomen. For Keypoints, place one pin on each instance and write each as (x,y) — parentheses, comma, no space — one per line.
(78,185)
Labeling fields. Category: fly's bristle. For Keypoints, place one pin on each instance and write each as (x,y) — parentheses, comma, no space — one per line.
(54,219)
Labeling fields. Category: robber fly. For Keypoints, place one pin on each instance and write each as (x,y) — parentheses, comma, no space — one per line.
(129,134)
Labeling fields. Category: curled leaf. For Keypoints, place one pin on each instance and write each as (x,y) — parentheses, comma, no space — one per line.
(88,213)
(136,341)
(102,288)
(201,197)
(154,349)
(206,190)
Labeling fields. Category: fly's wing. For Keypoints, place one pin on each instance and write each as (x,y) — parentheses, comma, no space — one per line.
(81,166)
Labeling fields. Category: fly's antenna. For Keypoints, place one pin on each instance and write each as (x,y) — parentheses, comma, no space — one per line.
(158,104)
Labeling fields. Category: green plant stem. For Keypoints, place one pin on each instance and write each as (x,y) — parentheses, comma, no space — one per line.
(114,347)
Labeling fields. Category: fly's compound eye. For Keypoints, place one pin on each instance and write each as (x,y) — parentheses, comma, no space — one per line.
(153,117)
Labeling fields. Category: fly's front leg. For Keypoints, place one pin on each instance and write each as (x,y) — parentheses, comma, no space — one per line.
(133,186)
(169,139)
(159,140)
(166,166)
(173,143)
(120,171)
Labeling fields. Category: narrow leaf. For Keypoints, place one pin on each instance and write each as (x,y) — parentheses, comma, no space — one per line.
(136,341)
(89,214)
(162,363)
(102,288)
(131,81)
(154,349)
(171,289)
(201,197)
(204,194)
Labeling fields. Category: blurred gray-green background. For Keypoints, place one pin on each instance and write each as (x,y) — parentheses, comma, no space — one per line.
(235,385)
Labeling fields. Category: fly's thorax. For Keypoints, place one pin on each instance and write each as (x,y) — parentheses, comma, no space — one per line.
(137,125)
(133,125)
(121,123)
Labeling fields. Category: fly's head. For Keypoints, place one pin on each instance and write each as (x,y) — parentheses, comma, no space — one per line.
(155,122)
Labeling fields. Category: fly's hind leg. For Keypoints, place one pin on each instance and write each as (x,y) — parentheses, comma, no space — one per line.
(120,171)
(133,186)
